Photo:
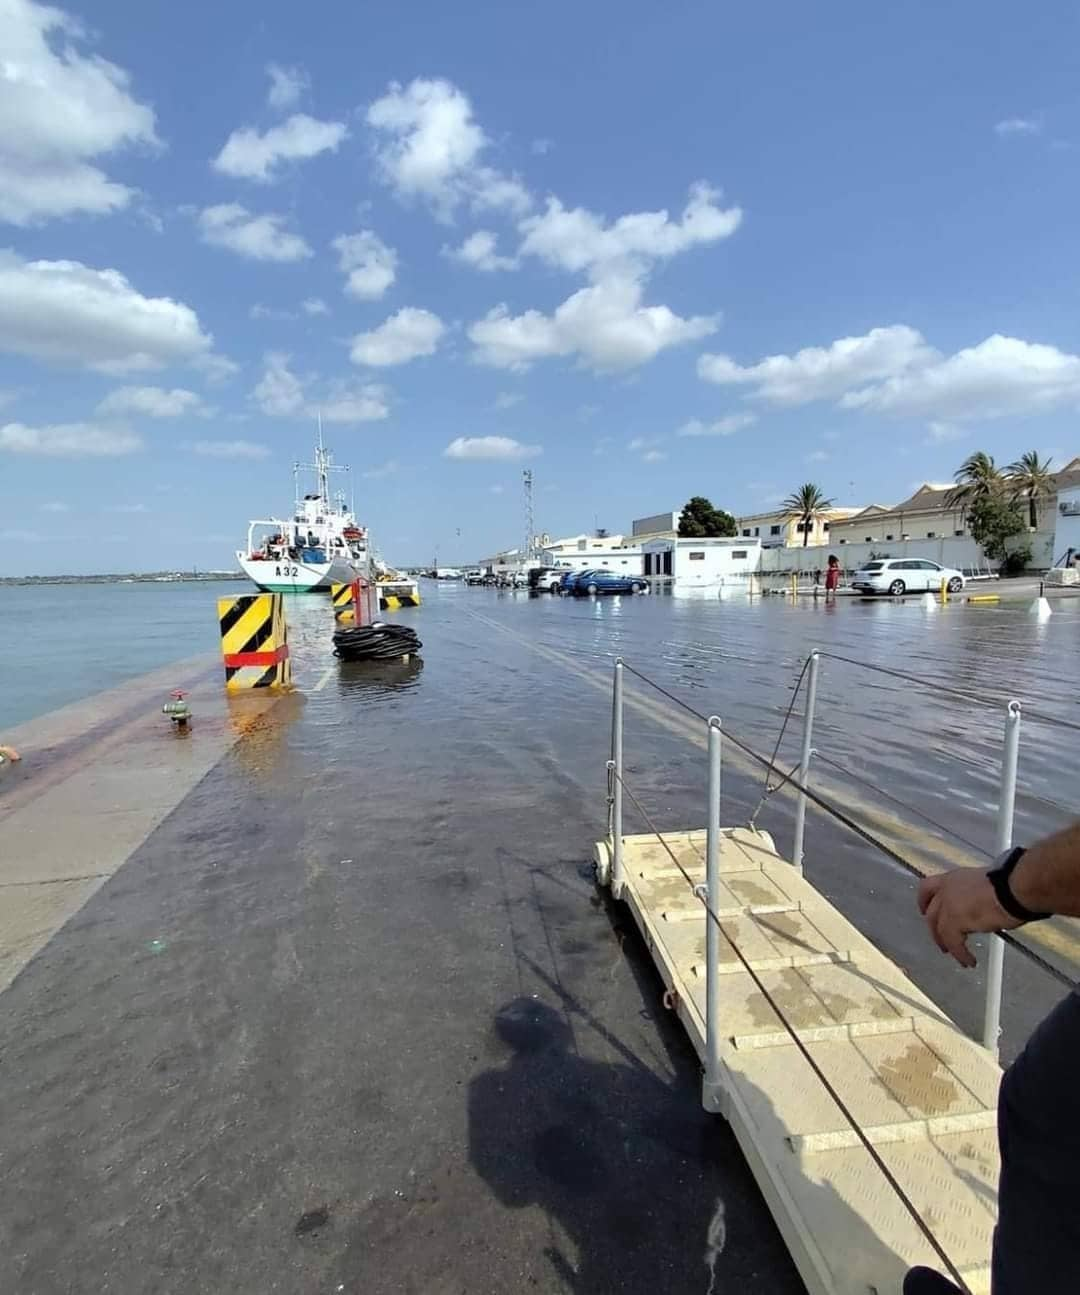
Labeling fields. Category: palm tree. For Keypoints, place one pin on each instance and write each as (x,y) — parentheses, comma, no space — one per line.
(808,504)
(1033,478)
(976,479)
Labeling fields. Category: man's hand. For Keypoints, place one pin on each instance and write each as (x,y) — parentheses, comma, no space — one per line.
(958,903)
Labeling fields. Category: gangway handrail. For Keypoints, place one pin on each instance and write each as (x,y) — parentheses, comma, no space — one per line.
(938,687)
(712,989)
(851,824)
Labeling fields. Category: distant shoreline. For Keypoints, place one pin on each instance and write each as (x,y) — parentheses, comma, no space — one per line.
(130,577)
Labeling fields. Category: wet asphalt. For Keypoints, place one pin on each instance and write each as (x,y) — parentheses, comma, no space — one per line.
(356,1019)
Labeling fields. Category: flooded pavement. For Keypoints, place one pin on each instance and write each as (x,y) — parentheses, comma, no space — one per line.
(354,1017)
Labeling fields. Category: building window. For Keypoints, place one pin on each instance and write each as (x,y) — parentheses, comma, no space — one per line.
(869,540)
(773,530)
(959,534)
(698,556)
(757,530)
(841,541)
(888,537)
(825,526)
(581,546)
(931,535)
(648,564)
(736,554)
(746,531)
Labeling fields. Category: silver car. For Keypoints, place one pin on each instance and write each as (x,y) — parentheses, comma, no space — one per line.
(898,576)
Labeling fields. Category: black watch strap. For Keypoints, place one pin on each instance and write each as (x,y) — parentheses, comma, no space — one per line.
(998,877)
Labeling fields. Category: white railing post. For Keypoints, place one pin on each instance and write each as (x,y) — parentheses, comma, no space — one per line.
(712,1094)
(804,760)
(617,789)
(995,962)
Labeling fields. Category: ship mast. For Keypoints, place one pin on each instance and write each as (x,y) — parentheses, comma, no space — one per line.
(322,467)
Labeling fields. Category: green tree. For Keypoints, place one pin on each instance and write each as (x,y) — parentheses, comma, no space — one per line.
(1030,478)
(977,478)
(808,503)
(995,523)
(700,519)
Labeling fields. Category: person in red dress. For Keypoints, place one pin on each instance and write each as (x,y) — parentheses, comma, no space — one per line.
(832,575)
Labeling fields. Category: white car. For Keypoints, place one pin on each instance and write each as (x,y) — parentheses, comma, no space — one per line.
(898,576)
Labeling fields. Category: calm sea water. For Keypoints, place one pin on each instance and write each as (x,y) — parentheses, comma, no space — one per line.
(60,642)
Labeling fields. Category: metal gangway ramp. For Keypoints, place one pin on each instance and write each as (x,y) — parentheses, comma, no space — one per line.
(866,1115)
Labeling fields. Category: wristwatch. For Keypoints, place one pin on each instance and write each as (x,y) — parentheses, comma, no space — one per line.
(999,875)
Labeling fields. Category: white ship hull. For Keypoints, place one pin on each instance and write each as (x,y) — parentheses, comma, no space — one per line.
(274,575)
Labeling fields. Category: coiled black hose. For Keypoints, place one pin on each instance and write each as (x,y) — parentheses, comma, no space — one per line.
(378,642)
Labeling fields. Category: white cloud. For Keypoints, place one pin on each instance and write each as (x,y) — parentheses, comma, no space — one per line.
(604,325)
(726,426)
(56,506)
(822,373)
(508,399)
(261,238)
(381,472)
(315,306)
(153,402)
(259,311)
(895,371)
(941,431)
(250,156)
(287,84)
(1001,377)
(1013,126)
(369,264)
(230,449)
(60,111)
(816,456)
(576,239)
(497,490)
(68,441)
(66,312)
(489,447)
(478,250)
(216,368)
(361,404)
(540,147)
(653,456)
(401,338)
(281,393)
(132,509)
(429,147)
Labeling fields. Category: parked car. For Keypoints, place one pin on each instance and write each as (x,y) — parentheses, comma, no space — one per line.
(474,577)
(600,581)
(546,578)
(898,576)
(568,580)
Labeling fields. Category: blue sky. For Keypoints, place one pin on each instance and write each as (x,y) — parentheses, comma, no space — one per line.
(647,251)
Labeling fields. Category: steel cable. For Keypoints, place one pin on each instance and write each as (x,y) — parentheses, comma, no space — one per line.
(947,689)
(853,826)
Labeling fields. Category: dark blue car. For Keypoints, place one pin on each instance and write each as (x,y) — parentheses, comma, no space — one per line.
(601,581)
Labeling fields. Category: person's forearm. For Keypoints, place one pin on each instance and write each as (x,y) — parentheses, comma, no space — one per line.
(1047,878)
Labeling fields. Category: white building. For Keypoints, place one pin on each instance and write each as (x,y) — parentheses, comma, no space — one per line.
(1067,524)
(627,561)
(702,563)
